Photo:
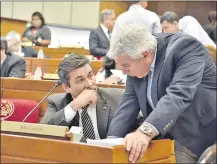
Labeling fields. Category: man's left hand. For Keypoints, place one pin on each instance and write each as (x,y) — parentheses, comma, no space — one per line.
(136,144)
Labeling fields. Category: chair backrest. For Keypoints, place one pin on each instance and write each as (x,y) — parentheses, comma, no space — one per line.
(18,109)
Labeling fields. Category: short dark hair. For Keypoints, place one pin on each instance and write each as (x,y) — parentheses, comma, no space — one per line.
(38,14)
(68,64)
(170,17)
(212,16)
(4,44)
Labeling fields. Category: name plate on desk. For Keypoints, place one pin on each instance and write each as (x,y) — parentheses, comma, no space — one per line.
(32,129)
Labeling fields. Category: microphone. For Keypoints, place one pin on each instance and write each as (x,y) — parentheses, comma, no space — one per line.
(58,83)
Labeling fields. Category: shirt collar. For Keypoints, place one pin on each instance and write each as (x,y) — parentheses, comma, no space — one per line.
(104,28)
(20,50)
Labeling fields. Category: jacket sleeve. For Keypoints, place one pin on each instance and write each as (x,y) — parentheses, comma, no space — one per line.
(125,118)
(94,47)
(53,116)
(189,59)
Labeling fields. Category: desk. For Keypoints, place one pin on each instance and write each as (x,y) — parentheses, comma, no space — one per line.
(51,65)
(61,52)
(24,149)
(33,90)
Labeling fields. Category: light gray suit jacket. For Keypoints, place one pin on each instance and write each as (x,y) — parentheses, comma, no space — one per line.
(183,93)
(107,101)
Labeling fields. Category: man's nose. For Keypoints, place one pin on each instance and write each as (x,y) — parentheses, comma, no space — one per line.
(89,83)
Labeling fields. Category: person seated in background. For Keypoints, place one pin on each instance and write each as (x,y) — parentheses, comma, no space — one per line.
(38,33)
(211,27)
(83,104)
(209,155)
(14,46)
(189,25)
(11,65)
(99,38)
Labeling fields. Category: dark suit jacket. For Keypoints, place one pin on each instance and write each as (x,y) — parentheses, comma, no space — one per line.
(107,101)
(183,93)
(29,52)
(13,66)
(98,43)
(211,31)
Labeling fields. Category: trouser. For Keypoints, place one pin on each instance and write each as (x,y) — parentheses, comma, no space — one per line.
(184,155)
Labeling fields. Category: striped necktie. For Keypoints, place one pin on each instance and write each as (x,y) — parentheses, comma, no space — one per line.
(87,124)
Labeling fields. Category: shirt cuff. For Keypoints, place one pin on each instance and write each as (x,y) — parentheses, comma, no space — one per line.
(69,113)
(157,132)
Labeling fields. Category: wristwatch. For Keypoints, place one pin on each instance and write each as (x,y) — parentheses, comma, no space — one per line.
(147,130)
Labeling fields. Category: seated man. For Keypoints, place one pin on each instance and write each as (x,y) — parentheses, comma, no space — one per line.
(14,46)
(188,25)
(11,65)
(84,104)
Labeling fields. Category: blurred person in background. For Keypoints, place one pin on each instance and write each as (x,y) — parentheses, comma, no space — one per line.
(38,33)
(138,13)
(11,65)
(14,46)
(100,38)
(211,27)
(171,23)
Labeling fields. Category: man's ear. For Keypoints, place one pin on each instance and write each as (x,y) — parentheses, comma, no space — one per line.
(148,56)
(65,87)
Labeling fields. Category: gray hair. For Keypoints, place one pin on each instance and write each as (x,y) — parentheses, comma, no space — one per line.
(131,39)
(170,17)
(69,64)
(105,13)
(13,35)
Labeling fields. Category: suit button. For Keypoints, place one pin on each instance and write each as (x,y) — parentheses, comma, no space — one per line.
(104,108)
(164,129)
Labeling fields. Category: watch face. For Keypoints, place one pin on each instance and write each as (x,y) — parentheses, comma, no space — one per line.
(146,128)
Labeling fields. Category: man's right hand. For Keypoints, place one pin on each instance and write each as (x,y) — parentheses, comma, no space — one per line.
(87,96)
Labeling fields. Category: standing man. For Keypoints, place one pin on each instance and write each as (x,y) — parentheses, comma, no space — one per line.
(100,37)
(172,79)
(188,25)
(138,13)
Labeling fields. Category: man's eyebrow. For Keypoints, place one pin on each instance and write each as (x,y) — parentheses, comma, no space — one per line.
(78,77)
(90,72)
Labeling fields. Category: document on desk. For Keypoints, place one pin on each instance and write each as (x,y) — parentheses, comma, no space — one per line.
(106,142)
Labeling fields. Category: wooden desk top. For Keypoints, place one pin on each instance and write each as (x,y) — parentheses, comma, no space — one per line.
(61,52)
(20,149)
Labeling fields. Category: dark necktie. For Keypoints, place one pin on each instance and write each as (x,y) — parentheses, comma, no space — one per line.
(87,124)
(109,34)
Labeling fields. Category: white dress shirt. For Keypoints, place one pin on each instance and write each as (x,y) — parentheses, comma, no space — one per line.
(139,15)
(189,25)
(19,52)
(150,77)
(105,30)
(91,110)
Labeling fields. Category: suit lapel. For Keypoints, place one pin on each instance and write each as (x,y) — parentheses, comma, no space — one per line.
(104,34)
(102,112)
(160,57)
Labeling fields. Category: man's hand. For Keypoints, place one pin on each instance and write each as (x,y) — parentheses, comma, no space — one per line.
(136,144)
(87,96)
